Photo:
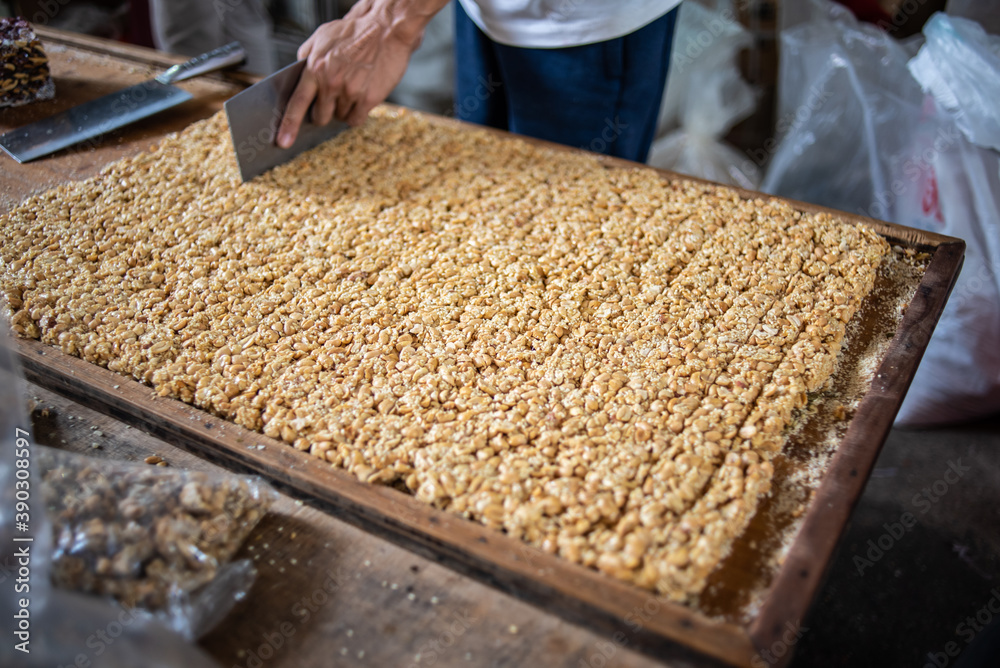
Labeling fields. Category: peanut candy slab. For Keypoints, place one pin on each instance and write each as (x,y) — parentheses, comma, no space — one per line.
(594,360)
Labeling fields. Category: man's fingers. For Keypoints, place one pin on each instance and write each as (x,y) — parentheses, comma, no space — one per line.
(351,96)
(323,108)
(306,48)
(297,108)
(344,107)
(359,113)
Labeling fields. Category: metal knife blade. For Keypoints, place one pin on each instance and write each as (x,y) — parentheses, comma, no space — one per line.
(255,115)
(114,110)
(90,119)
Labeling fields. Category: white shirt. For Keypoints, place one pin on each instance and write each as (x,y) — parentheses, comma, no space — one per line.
(548,24)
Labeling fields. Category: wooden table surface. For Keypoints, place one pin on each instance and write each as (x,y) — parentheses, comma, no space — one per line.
(327,592)
(331,594)
(85,68)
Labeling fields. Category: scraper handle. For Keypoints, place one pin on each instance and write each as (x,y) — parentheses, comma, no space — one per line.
(225,56)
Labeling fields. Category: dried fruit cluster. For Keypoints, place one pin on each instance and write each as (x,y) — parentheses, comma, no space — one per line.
(595,360)
(24,68)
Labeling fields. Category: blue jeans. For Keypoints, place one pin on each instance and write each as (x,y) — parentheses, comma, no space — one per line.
(603,97)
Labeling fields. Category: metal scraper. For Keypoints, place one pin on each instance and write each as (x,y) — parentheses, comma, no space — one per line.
(115,110)
(255,116)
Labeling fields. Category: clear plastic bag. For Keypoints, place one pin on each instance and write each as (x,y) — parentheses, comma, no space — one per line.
(25,537)
(983,12)
(876,143)
(957,165)
(47,626)
(960,66)
(707,95)
(847,106)
(154,538)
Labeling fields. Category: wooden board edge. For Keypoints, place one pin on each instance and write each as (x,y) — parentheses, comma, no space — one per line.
(578,594)
(803,571)
(136,54)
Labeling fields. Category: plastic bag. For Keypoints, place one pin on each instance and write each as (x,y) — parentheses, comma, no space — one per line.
(25,537)
(46,626)
(707,95)
(959,66)
(846,106)
(154,538)
(959,177)
(984,12)
(873,142)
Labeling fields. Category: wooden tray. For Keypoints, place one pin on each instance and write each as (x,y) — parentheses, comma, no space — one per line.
(755,605)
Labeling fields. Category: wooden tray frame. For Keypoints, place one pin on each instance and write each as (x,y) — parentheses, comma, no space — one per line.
(581,595)
(577,593)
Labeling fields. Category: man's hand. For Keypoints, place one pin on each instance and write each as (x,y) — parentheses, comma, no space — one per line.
(355,62)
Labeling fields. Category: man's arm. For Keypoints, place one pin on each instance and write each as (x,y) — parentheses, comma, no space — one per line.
(355,62)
